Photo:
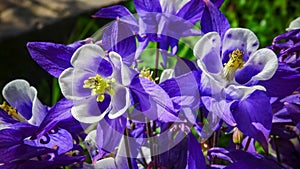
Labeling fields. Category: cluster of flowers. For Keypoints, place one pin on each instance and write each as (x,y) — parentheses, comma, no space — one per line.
(115,114)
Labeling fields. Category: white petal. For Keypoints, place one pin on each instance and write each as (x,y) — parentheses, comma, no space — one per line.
(166,74)
(207,51)
(172,7)
(239,92)
(295,24)
(267,60)
(71,82)
(122,72)
(120,101)
(88,57)
(20,95)
(239,38)
(88,111)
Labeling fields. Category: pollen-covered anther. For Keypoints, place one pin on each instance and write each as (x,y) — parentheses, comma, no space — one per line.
(147,73)
(11,112)
(235,62)
(99,86)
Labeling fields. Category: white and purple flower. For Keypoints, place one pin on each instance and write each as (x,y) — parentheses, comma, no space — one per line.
(97,84)
(231,68)
(35,130)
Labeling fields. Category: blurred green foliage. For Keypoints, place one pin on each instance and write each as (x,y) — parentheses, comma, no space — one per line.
(266,18)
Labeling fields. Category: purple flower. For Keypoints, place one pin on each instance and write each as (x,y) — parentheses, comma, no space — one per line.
(34,128)
(230,91)
(18,154)
(159,21)
(287,77)
(98,85)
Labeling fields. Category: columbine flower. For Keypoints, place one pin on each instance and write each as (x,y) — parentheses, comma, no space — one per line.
(159,21)
(230,70)
(35,129)
(98,85)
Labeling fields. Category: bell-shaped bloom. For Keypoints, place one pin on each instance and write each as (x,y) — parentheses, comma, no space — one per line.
(35,129)
(231,68)
(97,85)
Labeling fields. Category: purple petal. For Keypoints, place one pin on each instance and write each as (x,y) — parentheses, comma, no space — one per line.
(109,133)
(192,11)
(213,20)
(294,110)
(195,155)
(217,3)
(153,101)
(61,111)
(262,65)
(119,38)
(283,83)
(147,6)
(253,116)
(120,12)
(184,90)
(62,139)
(23,97)
(52,57)
(295,98)
(242,159)
(5,118)
(12,146)
(239,38)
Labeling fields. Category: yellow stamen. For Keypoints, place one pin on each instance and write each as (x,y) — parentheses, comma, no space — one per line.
(235,62)
(147,73)
(99,86)
(12,112)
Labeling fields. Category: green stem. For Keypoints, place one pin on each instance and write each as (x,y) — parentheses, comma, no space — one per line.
(156,60)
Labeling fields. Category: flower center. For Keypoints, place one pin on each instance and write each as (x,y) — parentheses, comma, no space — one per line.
(12,112)
(147,73)
(235,62)
(99,86)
